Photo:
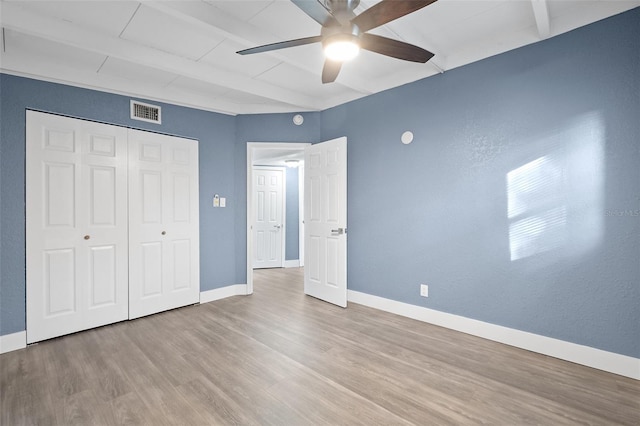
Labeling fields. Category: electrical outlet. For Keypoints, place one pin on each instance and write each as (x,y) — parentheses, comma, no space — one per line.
(424,290)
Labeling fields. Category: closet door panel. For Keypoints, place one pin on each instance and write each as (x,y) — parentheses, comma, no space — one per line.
(150,270)
(103,274)
(164,241)
(181,265)
(76,186)
(151,196)
(104,220)
(59,282)
(59,183)
(102,205)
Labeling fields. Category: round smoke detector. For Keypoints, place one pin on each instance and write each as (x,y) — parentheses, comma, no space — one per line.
(407,138)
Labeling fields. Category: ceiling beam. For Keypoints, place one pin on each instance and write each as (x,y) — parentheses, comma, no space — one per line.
(19,19)
(541,14)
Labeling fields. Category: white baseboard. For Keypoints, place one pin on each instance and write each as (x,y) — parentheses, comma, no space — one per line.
(291,263)
(13,342)
(223,292)
(591,357)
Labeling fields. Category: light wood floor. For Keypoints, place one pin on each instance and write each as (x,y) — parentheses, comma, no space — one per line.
(281,358)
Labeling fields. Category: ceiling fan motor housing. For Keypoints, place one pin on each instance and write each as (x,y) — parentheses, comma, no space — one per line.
(335,5)
(341,10)
(344,32)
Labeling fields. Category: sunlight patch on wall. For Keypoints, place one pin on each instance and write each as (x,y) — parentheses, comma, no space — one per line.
(537,208)
(554,201)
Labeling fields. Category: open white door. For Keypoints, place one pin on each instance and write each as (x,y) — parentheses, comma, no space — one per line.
(325,219)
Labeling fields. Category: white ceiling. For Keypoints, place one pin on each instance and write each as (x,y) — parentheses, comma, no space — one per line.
(183,52)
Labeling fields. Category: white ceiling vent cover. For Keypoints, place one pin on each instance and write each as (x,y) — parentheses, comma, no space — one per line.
(145,112)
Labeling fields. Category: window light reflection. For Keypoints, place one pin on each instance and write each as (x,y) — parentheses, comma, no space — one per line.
(554,201)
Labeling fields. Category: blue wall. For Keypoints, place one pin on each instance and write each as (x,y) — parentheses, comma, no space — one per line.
(293,216)
(517,201)
(441,211)
(215,132)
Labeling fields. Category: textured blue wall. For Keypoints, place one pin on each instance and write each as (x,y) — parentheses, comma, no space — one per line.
(293,215)
(215,132)
(262,128)
(438,211)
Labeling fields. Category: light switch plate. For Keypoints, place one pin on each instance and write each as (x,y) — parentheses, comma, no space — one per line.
(223,202)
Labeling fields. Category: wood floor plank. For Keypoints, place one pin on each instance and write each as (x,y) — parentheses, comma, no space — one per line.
(244,390)
(130,409)
(323,402)
(278,357)
(207,397)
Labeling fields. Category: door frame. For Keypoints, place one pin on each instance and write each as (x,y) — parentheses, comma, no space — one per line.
(252,148)
(301,214)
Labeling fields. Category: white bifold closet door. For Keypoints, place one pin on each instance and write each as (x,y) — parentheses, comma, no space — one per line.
(112,224)
(163,223)
(76,219)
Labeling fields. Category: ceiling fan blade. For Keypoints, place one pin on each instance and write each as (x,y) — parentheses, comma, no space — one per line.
(317,11)
(281,45)
(386,11)
(394,48)
(330,71)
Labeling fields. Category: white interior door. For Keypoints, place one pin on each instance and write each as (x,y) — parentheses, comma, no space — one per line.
(76,225)
(325,219)
(163,223)
(268,228)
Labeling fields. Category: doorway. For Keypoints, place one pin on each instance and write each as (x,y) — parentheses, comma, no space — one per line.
(278,155)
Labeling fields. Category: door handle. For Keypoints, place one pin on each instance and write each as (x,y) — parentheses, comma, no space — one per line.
(277,226)
(339,231)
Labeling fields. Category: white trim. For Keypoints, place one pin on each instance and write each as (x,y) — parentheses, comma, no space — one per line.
(251,216)
(301,214)
(584,355)
(291,263)
(283,234)
(223,292)
(13,342)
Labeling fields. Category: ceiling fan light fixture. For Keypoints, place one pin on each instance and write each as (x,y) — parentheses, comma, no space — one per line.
(342,48)
(344,32)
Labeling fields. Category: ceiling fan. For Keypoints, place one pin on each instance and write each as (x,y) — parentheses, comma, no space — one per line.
(344,33)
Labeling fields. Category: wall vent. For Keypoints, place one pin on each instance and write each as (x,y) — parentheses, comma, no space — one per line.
(145,112)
